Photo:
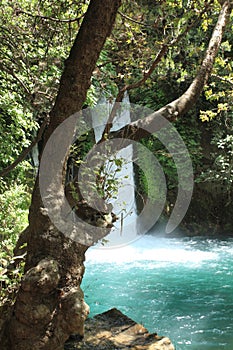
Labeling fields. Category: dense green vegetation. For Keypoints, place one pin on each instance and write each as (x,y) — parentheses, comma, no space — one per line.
(153,53)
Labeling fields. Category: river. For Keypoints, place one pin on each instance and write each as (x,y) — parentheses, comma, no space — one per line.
(178,287)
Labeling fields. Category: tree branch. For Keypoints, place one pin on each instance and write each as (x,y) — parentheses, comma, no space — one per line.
(180,106)
(134,20)
(76,19)
(25,152)
(162,52)
(189,98)
(228,81)
(12,73)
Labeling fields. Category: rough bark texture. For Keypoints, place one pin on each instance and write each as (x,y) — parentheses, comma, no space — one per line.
(49,305)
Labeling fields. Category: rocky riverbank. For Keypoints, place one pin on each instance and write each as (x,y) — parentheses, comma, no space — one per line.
(113,330)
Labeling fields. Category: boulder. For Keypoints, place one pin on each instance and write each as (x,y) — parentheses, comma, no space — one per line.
(112,330)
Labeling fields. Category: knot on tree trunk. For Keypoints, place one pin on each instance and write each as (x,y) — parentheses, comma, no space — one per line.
(74,311)
(45,276)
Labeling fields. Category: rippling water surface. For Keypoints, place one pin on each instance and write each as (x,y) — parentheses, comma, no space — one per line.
(178,287)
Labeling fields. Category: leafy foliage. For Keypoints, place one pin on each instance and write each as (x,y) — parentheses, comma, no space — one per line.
(14,204)
(10,272)
(14,210)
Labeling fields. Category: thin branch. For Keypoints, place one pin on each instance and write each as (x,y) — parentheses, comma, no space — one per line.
(163,51)
(76,19)
(165,47)
(25,152)
(134,20)
(12,73)
(228,81)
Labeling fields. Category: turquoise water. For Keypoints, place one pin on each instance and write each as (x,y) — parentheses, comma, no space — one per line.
(178,287)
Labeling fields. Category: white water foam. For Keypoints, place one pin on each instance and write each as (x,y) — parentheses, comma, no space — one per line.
(149,248)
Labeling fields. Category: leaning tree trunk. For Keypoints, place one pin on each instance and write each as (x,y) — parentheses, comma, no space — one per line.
(49,305)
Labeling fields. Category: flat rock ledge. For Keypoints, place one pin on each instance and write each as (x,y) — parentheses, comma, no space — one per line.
(112,330)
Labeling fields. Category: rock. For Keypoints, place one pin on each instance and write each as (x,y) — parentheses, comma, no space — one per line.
(112,330)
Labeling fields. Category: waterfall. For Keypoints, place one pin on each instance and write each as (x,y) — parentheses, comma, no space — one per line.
(124,205)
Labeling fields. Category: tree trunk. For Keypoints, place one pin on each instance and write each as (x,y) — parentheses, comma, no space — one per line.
(49,306)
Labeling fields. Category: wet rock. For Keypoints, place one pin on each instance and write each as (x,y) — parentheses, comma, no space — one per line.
(113,330)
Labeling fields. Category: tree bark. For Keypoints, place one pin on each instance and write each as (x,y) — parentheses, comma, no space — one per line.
(49,306)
